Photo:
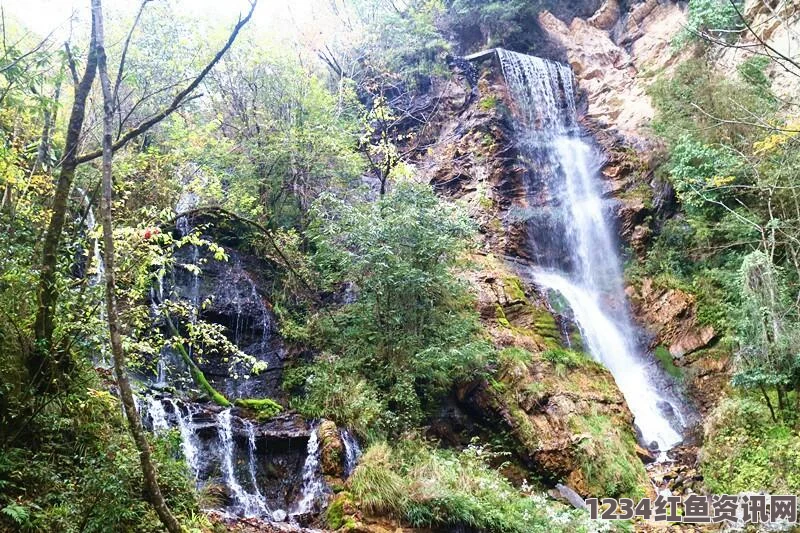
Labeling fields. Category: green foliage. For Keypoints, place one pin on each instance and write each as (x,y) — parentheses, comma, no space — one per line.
(17,513)
(751,71)
(715,18)
(375,485)
(514,355)
(744,450)
(410,331)
(699,172)
(768,330)
(78,470)
(489,102)
(567,358)
(503,22)
(433,488)
(399,42)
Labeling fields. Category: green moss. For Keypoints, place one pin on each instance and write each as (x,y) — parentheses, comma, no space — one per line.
(498,386)
(487,103)
(500,315)
(334,516)
(544,324)
(264,407)
(201,380)
(512,287)
(662,354)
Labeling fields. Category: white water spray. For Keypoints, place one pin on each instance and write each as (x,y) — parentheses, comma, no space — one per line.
(189,443)
(313,483)
(352,451)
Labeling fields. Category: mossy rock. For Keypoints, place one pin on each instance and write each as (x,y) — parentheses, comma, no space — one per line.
(544,324)
(340,514)
(513,290)
(500,315)
(264,408)
(331,449)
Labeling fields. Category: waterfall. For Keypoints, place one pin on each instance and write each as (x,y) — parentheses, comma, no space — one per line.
(251,461)
(158,417)
(189,443)
(572,242)
(313,483)
(248,504)
(352,451)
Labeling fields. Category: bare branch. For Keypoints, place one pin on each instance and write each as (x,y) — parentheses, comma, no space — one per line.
(179,98)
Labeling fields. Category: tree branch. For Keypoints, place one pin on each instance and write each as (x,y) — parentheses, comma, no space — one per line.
(179,98)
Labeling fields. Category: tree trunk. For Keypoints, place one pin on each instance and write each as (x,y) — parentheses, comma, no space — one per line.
(41,365)
(47,129)
(134,421)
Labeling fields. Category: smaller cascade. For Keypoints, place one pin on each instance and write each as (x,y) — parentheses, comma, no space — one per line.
(158,416)
(97,257)
(189,443)
(251,449)
(313,484)
(250,505)
(352,451)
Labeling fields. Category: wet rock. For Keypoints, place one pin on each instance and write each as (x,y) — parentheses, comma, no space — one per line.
(645,455)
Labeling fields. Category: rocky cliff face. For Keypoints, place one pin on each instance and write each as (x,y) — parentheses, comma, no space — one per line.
(776,23)
(614,54)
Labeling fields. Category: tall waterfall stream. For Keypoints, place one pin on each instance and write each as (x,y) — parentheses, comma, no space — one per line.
(573,245)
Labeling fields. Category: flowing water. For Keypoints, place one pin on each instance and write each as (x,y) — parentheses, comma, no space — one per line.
(189,443)
(245,503)
(572,242)
(157,414)
(313,483)
(352,451)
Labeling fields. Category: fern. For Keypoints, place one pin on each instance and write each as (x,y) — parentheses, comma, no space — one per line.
(16,512)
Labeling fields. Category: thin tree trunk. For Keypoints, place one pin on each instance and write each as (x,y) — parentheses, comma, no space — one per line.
(769,403)
(47,129)
(134,421)
(40,362)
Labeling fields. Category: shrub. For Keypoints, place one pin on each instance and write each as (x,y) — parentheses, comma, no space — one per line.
(434,488)
(716,18)
(409,330)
